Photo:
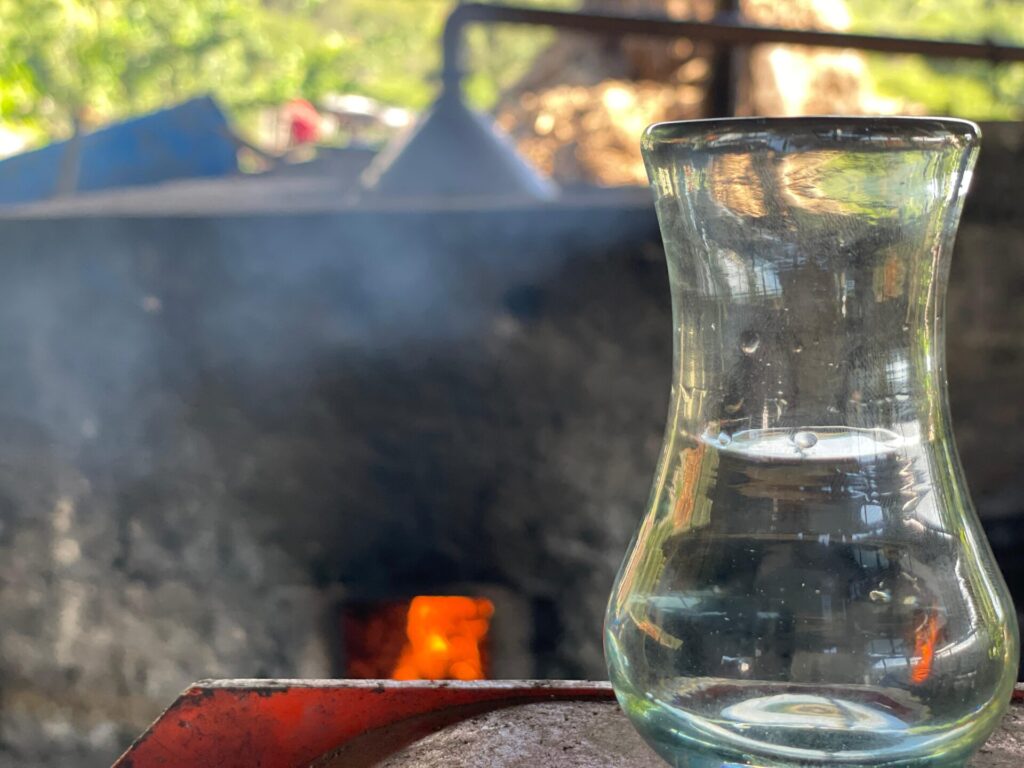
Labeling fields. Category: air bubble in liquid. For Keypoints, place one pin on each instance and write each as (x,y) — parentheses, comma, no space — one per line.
(749,341)
(804,440)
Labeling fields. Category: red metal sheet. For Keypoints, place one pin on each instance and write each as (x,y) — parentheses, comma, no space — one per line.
(290,723)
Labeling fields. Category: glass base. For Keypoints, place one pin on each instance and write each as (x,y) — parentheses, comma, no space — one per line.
(687,759)
(791,730)
(680,755)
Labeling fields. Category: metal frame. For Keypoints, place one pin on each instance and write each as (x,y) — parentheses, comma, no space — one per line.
(725,31)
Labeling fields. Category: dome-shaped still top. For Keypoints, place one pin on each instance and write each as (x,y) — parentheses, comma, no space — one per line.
(454,152)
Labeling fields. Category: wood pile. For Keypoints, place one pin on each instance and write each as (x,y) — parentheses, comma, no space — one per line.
(578,114)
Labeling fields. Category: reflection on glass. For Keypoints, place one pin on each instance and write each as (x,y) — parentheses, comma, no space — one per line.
(810,583)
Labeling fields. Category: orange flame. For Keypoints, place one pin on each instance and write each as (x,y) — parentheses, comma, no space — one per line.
(444,637)
(924,649)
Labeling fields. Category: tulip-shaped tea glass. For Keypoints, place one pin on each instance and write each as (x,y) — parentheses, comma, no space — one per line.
(810,584)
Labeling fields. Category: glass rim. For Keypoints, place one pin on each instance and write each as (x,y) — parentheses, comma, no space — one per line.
(879,131)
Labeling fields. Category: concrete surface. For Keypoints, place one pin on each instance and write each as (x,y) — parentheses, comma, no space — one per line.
(582,735)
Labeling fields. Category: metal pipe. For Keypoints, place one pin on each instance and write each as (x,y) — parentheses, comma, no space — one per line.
(721,94)
(723,32)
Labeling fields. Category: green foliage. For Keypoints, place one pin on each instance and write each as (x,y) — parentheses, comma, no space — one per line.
(976,90)
(99,60)
(499,55)
(396,44)
(400,46)
(66,60)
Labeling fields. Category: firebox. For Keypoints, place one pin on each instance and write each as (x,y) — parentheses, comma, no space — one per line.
(455,632)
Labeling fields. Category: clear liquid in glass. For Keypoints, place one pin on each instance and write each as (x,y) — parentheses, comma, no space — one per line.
(807,619)
(810,584)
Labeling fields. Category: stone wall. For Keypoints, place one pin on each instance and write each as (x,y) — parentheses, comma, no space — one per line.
(215,426)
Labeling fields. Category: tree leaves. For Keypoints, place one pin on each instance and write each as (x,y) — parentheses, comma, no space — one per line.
(107,59)
(972,89)
(101,60)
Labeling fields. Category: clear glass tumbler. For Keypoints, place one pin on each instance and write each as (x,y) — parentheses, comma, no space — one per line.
(810,584)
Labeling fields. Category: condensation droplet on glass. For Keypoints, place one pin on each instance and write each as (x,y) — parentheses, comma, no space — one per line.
(798,348)
(749,342)
(804,440)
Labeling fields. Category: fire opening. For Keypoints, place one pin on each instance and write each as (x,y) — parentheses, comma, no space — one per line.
(426,638)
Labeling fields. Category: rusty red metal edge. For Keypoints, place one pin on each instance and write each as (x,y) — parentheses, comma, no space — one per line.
(291,723)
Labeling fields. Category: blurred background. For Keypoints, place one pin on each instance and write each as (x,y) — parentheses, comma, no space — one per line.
(325,331)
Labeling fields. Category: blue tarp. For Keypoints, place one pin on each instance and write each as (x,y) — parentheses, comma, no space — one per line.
(187,141)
